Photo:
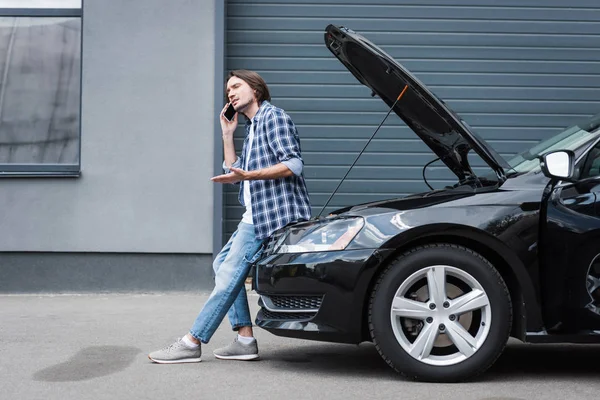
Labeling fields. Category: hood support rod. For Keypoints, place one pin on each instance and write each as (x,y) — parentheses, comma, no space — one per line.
(364,148)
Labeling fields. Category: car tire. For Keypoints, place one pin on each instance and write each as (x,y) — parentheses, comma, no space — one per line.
(420,340)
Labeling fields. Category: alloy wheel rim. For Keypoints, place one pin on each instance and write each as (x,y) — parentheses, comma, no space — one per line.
(441,315)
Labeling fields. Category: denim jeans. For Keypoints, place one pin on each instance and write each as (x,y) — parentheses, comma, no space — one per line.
(231,267)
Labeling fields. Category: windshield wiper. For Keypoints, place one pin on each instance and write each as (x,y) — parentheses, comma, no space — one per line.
(528,156)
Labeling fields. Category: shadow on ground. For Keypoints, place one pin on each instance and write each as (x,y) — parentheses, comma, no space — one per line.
(545,361)
(89,363)
(519,361)
(331,359)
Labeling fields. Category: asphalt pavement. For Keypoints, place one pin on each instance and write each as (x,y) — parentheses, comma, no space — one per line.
(95,346)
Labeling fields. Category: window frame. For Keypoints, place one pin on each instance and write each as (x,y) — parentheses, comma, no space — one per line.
(583,165)
(32,170)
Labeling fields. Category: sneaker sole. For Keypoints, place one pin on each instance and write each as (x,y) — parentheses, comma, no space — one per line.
(246,357)
(187,360)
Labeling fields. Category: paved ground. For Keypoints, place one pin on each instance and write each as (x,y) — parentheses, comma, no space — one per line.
(95,347)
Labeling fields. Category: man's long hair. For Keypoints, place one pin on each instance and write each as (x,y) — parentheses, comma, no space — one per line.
(255,81)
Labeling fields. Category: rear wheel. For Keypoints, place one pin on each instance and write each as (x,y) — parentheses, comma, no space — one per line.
(440,313)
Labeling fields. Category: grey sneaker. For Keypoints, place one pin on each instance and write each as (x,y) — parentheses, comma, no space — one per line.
(174,353)
(238,351)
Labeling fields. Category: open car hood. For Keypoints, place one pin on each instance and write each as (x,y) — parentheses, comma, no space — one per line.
(430,118)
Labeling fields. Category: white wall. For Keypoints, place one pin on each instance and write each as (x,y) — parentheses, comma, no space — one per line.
(147,139)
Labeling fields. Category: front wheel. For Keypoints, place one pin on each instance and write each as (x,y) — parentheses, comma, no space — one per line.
(440,313)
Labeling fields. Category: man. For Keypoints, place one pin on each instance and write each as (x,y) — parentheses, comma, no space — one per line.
(272,188)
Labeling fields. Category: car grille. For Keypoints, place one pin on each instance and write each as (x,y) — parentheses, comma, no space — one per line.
(286,316)
(296,302)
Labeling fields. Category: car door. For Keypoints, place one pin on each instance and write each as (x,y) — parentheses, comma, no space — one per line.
(570,250)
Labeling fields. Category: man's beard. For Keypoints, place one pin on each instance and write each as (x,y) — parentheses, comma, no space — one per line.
(241,108)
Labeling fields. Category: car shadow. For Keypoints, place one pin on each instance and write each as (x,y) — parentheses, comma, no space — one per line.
(330,359)
(543,361)
(518,361)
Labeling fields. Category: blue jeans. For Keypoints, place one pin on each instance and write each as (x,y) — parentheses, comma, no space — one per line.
(231,267)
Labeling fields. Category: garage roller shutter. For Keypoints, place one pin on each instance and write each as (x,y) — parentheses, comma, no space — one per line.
(517,73)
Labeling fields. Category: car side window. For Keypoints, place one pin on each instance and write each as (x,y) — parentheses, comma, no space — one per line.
(591,165)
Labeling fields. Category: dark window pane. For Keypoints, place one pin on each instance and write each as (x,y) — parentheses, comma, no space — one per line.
(40,72)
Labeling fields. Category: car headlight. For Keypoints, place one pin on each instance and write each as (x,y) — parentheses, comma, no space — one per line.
(327,236)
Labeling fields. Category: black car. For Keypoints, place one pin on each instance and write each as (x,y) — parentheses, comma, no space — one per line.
(439,281)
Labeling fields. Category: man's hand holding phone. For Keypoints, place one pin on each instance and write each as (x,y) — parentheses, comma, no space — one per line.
(228,120)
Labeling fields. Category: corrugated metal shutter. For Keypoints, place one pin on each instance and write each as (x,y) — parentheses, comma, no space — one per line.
(517,73)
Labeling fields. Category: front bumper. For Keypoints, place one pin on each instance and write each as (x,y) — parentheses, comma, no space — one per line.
(316,296)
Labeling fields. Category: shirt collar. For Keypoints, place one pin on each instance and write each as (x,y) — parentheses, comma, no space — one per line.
(262,110)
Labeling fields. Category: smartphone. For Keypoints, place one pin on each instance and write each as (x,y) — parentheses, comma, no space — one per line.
(229,113)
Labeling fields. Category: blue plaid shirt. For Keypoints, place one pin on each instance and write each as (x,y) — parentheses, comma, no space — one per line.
(275,202)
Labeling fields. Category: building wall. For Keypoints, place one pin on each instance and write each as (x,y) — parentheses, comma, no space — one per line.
(147,138)
(143,215)
(148,118)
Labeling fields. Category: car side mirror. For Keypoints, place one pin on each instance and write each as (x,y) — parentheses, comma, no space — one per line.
(559,164)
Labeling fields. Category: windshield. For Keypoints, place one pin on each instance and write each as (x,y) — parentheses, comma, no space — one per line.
(574,138)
